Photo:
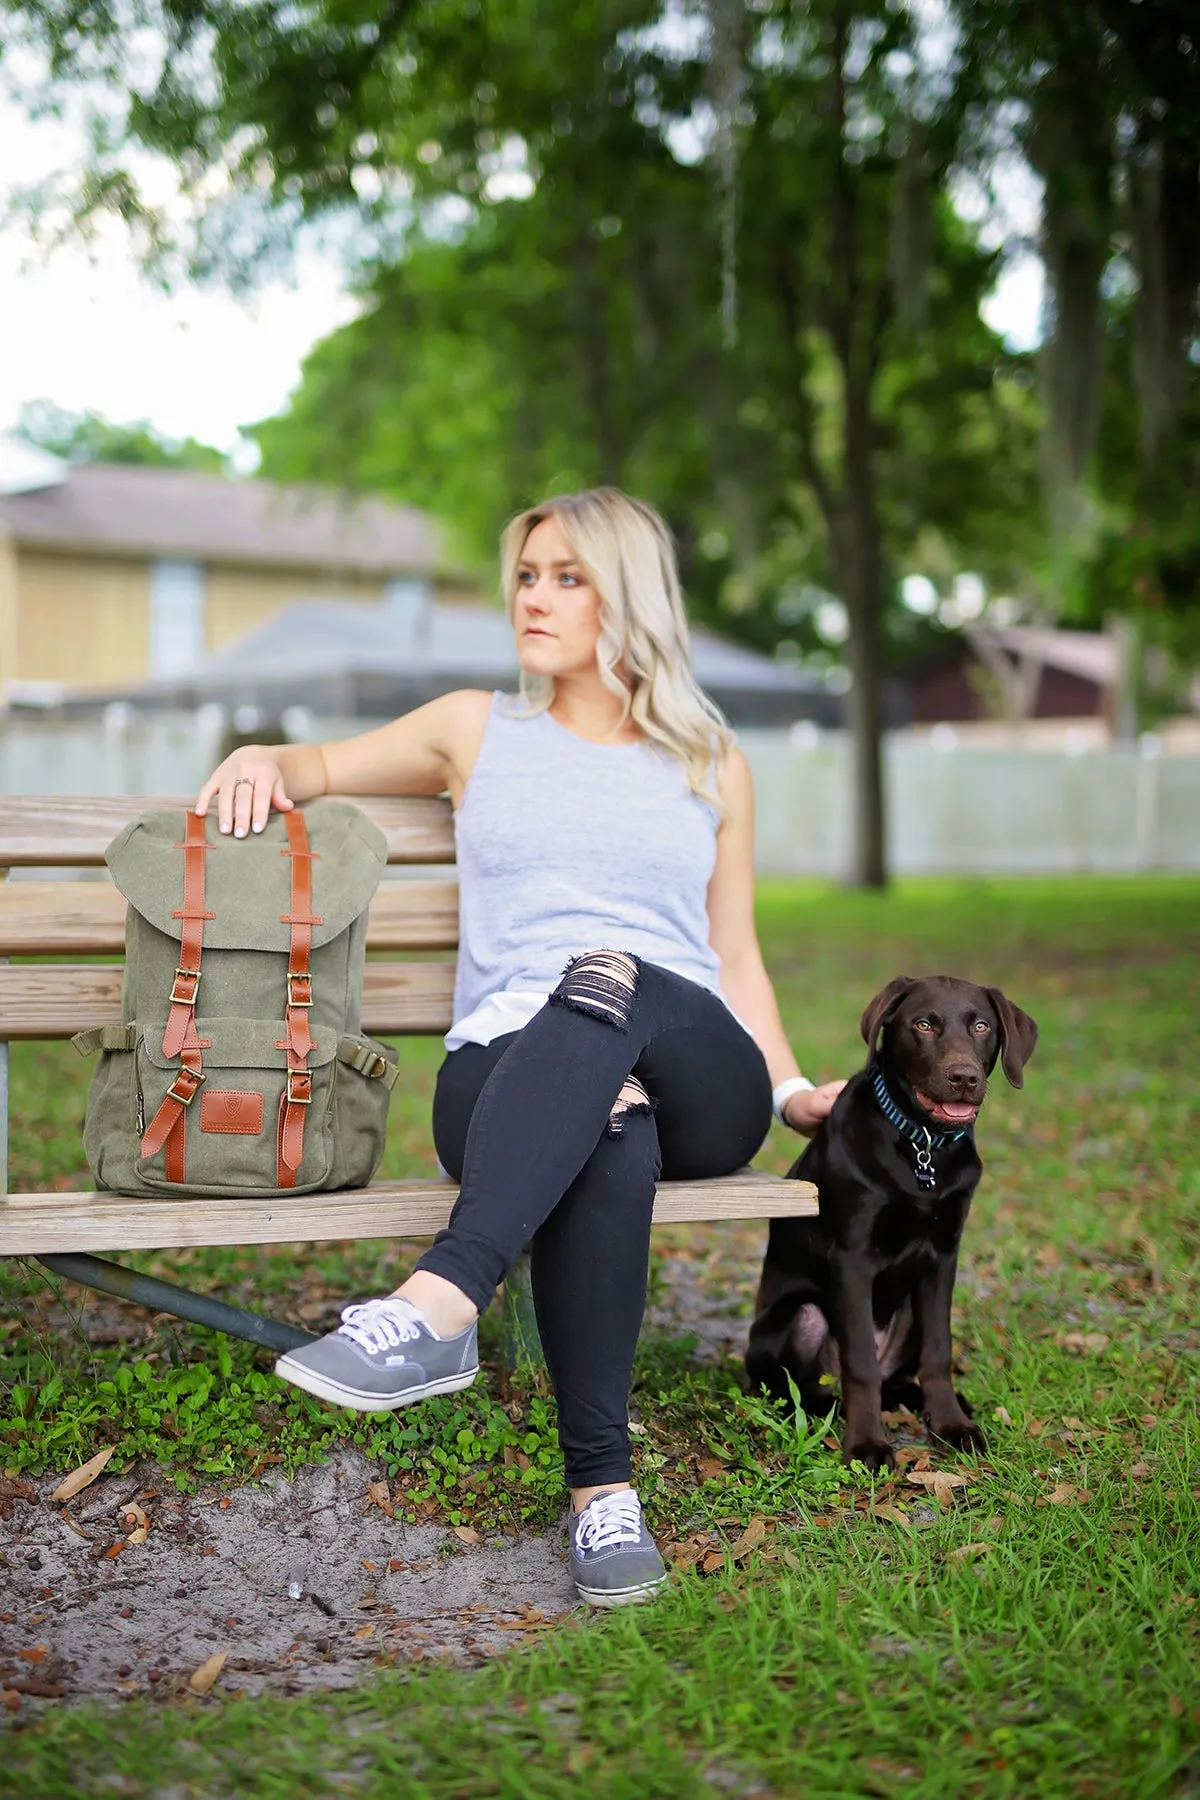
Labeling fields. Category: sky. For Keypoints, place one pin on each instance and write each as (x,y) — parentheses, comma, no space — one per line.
(82,327)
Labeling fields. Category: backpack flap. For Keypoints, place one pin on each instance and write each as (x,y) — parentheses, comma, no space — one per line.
(246,879)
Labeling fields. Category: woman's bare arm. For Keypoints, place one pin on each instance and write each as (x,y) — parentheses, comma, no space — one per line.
(431,750)
(733,935)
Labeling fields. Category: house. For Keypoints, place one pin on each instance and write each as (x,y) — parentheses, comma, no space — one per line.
(349,660)
(1017,672)
(112,575)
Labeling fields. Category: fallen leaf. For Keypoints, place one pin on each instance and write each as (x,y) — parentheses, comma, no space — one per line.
(202,1679)
(11,1699)
(1035,1427)
(939,1482)
(364,1631)
(132,1514)
(466,1534)
(379,1494)
(138,1535)
(966,1552)
(35,1655)
(708,1468)
(1084,1342)
(893,1515)
(1140,1470)
(1064,1495)
(115,1549)
(636,1430)
(713,1561)
(1002,1413)
(1074,1424)
(754,1533)
(84,1475)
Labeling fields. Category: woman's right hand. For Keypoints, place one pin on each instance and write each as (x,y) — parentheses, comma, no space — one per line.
(246,786)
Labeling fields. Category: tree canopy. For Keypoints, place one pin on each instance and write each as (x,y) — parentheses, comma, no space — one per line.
(712,252)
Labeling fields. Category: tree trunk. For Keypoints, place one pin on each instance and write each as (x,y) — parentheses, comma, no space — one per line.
(858,562)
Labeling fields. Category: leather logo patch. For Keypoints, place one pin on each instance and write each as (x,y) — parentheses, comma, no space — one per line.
(235,1110)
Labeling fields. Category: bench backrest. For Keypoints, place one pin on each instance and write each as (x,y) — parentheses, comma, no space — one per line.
(404,994)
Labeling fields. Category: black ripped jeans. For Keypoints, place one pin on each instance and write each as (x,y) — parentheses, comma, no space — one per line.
(531,1126)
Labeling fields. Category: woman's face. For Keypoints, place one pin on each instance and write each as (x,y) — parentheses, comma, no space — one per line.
(556,615)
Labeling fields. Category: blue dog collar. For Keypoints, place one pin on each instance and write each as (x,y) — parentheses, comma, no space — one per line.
(924,1141)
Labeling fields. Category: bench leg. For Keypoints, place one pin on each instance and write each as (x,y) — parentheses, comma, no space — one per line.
(164,1296)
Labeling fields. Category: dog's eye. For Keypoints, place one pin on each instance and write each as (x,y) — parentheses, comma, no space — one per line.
(922,1025)
(982,1025)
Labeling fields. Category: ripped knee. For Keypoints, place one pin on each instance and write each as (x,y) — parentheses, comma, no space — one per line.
(601,982)
(632,1100)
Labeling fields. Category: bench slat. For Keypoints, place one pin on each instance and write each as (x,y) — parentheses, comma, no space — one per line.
(31,1224)
(55,1000)
(69,831)
(87,918)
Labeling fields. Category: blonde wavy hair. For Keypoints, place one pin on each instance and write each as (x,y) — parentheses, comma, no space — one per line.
(645,653)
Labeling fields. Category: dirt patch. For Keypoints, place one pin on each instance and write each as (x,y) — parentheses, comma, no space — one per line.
(304,1584)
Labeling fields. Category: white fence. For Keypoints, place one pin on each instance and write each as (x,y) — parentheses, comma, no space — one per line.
(963,809)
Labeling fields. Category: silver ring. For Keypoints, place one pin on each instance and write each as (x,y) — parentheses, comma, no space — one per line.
(242,781)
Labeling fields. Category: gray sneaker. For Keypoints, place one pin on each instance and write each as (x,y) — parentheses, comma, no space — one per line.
(384,1354)
(614,1560)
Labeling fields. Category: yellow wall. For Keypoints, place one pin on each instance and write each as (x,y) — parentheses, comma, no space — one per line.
(81,619)
(238,599)
(85,619)
(8,609)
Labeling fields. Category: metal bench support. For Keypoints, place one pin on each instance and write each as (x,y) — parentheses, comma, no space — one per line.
(164,1296)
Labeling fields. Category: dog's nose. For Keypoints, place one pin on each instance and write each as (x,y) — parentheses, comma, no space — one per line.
(965,1078)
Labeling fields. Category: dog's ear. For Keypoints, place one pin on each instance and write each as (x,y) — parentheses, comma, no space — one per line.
(1018,1036)
(880,1009)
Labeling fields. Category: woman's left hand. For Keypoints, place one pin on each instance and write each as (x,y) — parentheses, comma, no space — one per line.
(807,1111)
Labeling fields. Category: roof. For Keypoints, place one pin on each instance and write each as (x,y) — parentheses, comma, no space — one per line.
(1089,654)
(131,509)
(332,637)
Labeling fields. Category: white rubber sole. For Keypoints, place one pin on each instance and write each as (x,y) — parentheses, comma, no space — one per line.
(633,1596)
(339,1395)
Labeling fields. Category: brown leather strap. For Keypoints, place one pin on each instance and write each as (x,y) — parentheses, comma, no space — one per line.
(180,1038)
(297,1095)
(181,1021)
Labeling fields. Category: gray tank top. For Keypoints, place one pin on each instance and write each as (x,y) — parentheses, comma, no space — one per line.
(566,846)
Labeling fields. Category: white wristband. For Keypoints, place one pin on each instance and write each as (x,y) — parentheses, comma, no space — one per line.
(799,1084)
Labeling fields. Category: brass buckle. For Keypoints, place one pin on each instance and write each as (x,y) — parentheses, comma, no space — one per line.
(378,1066)
(307,981)
(178,999)
(196,1077)
(293,1098)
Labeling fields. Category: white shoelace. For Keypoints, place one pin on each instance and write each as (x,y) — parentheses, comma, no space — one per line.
(607,1520)
(379,1324)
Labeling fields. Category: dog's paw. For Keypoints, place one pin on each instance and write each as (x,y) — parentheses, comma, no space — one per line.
(873,1453)
(961,1433)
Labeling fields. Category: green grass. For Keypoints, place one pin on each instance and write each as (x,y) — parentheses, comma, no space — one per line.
(1036,1634)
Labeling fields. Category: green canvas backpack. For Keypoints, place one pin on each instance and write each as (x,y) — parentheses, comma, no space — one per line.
(239,1066)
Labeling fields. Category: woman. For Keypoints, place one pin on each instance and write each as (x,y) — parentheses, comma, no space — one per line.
(604,823)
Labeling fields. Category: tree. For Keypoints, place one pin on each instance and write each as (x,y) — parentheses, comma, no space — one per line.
(86,437)
(1104,101)
(730,280)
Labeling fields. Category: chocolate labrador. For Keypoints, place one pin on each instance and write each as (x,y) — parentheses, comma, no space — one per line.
(864,1290)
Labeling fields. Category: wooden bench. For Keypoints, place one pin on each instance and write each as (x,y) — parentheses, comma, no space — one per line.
(407,995)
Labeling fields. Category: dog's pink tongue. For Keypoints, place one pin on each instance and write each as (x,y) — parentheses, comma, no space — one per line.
(958,1112)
